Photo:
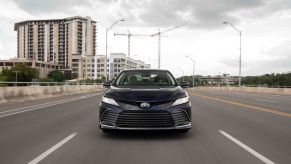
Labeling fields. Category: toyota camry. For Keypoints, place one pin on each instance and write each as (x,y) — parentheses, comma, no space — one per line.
(145,99)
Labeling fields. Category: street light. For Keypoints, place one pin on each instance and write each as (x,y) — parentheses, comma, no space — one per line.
(240,33)
(107,30)
(193,82)
(182,72)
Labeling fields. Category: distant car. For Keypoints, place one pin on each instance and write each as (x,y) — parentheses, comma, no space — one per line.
(145,99)
(185,84)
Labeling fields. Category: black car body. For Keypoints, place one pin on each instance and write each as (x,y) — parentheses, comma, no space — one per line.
(145,102)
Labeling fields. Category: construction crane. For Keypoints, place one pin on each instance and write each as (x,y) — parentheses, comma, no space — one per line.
(129,35)
(159,35)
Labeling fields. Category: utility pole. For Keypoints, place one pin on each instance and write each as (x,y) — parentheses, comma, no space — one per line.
(159,50)
(107,30)
(193,82)
(16,72)
(239,80)
(240,34)
(159,34)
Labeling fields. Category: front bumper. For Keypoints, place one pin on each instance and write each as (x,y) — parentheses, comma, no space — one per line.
(172,118)
(187,126)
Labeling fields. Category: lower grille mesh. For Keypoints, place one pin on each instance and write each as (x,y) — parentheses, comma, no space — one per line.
(109,117)
(145,119)
(181,118)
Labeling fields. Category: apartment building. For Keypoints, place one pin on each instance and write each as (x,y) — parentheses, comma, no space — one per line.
(71,44)
(119,62)
(56,40)
(89,67)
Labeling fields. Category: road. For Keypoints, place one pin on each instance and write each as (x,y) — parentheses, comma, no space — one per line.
(228,127)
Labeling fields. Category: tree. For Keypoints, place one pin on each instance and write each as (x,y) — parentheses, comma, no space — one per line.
(271,80)
(57,75)
(24,73)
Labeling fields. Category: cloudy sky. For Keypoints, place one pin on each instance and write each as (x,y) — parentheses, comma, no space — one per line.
(265,26)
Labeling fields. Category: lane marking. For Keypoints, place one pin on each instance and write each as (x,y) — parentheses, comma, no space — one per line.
(40,106)
(266,100)
(257,108)
(247,148)
(52,149)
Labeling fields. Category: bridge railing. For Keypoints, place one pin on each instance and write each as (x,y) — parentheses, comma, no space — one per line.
(253,86)
(266,90)
(20,84)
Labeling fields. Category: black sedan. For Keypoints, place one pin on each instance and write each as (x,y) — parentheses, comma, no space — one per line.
(145,99)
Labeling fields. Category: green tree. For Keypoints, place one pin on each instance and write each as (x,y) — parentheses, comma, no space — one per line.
(57,75)
(24,73)
(271,80)
(3,78)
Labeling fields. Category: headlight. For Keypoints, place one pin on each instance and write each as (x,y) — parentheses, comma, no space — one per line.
(109,101)
(181,101)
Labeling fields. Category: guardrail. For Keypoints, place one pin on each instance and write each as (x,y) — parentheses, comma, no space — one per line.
(37,92)
(21,84)
(235,86)
(267,86)
(280,91)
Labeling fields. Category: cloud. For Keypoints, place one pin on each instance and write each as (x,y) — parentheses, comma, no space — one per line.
(49,6)
(260,18)
(203,14)
(206,13)
(279,56)
(274,60)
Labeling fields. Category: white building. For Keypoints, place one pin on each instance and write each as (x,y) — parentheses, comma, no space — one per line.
(119,62)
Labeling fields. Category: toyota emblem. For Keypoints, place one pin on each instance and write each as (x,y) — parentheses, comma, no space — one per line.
(145,105)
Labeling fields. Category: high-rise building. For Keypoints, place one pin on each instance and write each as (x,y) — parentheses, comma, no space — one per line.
(56,40)
(71,44)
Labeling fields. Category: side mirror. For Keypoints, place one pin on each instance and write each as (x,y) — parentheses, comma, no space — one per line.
(106,84)
(184,84)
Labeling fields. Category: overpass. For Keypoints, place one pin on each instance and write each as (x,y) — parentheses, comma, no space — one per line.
(229,126)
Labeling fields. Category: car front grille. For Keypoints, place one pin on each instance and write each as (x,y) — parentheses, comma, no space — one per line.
(180,117)
(145,118)
(109,117)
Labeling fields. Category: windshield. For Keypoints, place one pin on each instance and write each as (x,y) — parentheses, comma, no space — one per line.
(145,78)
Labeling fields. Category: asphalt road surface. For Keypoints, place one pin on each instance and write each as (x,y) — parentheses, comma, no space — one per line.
(227,127)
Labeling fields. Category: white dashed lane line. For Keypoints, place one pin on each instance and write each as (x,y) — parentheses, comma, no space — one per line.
(247,148)
(52,149)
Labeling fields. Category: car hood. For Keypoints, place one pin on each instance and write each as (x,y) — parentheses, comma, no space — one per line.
(149,95)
